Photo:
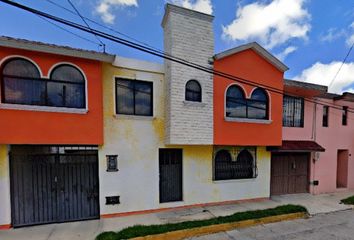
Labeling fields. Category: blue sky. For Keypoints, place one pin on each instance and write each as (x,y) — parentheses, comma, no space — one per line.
(310,36)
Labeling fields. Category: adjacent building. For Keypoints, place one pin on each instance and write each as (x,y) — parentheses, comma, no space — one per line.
(85,135)
(51,124)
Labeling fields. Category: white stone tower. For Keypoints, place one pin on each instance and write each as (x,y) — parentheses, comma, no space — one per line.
(188,35)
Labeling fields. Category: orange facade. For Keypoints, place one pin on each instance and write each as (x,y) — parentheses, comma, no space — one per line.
(39,126)
(248,65)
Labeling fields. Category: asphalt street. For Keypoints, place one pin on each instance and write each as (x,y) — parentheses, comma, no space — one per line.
(331,226)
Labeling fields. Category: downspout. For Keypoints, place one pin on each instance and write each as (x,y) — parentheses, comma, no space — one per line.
(314,126)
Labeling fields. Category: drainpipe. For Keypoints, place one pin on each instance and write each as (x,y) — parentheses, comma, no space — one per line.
(314,126)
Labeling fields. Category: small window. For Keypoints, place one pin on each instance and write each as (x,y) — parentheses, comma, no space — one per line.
(325,116)
(236,105)
(193,91)
(344,116)
(66,87)
(293,111)
(21,83)
(134,97)
(235,163)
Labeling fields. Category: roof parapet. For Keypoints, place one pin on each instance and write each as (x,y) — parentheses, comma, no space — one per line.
(185,11)
(54,49)
(259,49)
(305,85)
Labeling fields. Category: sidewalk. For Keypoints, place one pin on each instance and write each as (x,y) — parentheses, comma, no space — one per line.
(87,230)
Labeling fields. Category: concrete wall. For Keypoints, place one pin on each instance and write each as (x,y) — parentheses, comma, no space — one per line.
(333,138)
(188,35)
(5,210)
(137,140)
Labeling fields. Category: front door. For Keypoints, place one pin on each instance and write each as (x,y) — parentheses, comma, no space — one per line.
(289,173)
(51,188)
(170,167)
(342,168)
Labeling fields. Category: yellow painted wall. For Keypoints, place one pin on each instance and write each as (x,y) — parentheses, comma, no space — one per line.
(5,210)
(136,141)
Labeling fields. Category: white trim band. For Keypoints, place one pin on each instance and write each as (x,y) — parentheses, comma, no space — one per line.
(42,108)
(248,120)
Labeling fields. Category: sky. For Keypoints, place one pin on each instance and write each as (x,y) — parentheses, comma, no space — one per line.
(312,37)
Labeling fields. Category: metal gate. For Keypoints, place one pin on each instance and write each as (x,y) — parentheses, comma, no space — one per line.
(52,188)
(289,173)
(170,166)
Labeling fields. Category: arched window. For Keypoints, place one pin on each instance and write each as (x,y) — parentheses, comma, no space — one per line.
(193,91)
(258,104)
(223,161)
(236,105)
(21,83)
(66,87)
(235,163)
(245,164)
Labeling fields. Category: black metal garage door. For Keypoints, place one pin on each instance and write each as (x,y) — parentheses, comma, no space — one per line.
(51,188)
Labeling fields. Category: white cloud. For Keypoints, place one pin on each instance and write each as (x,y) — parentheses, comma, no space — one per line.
(332,34)
(323,74)
(281,56)
(203,6)
(350,40)
(104,8)
(272,24)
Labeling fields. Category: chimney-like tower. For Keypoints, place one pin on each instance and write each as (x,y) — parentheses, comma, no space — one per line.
(188,35)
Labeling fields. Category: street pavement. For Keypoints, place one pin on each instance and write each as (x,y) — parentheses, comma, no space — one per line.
(88,230)
(329,226)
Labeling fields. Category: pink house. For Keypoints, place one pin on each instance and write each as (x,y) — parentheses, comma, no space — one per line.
(318,139)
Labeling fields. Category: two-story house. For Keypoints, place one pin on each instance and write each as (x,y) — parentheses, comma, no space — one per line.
(85,135)
(315,155)
(185,137)
(51,124)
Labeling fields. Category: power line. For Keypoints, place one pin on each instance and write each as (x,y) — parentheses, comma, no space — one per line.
(68,31)
(83,19)
(120,33)
(340,68)
(159,54)
(102,25)
(138,41)
(140,47)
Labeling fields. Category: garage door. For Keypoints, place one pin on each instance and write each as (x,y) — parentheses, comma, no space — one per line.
(289,173)
(51,188)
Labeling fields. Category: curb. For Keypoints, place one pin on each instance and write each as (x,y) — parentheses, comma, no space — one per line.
(193,232)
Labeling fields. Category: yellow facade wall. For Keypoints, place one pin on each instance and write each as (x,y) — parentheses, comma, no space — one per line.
(5,212)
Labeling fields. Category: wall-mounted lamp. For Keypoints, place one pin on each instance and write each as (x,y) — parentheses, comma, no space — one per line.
(112,163)
(316,156)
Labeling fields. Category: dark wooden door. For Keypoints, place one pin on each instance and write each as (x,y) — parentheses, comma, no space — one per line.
(51,188)
(289,173)
(170,167)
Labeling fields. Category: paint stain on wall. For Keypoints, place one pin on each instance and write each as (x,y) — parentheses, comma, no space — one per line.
(200,157)
(262,154)
(3,161)
(159,128)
